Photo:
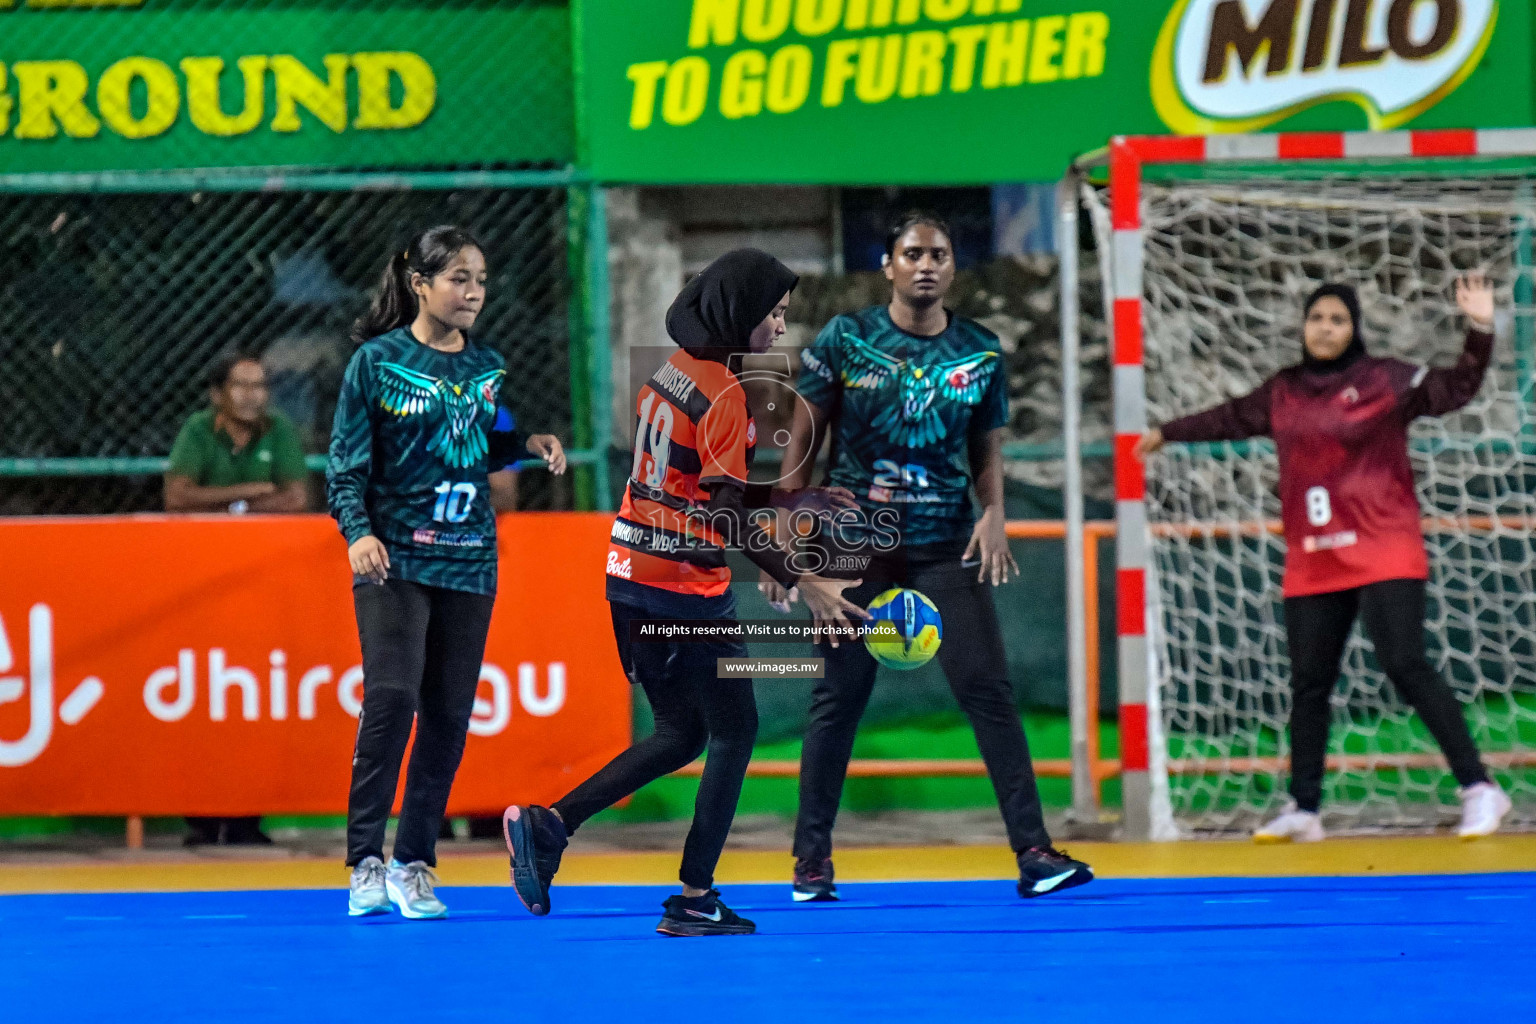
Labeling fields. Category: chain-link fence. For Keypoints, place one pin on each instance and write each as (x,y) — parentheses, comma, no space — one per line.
(131,268)
(114,309)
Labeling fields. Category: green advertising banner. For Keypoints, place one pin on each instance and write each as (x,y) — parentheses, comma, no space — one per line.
(975,91)
(94,85)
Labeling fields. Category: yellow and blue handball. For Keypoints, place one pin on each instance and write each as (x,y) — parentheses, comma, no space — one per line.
(906,630)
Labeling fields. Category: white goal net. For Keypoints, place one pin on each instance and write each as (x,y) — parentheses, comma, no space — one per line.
(1227,262)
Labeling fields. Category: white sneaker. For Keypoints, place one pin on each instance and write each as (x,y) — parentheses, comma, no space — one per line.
(367,895)
(1483,806)
(1292,826)
(411,889)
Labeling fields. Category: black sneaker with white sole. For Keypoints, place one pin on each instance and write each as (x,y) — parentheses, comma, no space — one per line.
(1045,869)
(689,916)
(536,838)
(814,881)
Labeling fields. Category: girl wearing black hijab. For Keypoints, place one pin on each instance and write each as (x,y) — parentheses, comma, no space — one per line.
(1354,546)
(685,504)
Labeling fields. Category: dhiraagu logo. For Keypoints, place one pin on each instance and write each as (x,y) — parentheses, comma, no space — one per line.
(39,681)
(1244,65)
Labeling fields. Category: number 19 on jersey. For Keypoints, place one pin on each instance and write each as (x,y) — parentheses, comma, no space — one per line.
(659,430)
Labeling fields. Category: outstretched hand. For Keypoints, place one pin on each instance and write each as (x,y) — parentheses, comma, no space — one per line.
(1474,296)
(779,597)
(830,610)
(548,448)
(1148,443)
(823,501)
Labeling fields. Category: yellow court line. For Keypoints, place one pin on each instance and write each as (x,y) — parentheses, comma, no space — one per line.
(1395,856)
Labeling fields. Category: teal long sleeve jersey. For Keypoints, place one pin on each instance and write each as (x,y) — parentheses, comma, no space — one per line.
(417,433)
(903,410)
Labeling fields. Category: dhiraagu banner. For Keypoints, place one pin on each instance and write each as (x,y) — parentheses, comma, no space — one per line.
(956,91)
(99,85)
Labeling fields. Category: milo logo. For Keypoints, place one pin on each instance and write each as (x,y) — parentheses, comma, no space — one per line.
(1243,65)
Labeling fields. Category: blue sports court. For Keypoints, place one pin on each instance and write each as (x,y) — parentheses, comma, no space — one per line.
(1397,948)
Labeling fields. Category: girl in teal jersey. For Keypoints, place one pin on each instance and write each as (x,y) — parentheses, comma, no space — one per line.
(419,427)
(915,399)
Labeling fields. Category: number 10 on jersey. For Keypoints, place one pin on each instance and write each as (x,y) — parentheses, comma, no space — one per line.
(453,502)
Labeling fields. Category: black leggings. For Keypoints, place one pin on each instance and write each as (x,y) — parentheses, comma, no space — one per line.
(1317,629)
(976,668)
(693,710)
(422,648)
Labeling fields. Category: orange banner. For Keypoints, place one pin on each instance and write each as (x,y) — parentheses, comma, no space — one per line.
(162,665)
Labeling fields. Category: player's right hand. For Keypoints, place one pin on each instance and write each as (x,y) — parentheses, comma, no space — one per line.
(779,599)
(822,501)
(1150,442)
(829,608)
(369,558)
(1474,296)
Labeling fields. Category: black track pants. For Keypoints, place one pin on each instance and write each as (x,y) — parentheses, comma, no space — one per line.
(694,710)
(422,648)
(976,668)
(1317,629)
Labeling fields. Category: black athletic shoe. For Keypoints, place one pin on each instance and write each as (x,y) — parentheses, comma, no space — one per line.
(813,881)
(245,832)
(1045,869)
(702,915)
(535,838)
(202,831)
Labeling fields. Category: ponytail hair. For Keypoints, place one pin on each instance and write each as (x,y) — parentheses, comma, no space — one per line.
(394,303)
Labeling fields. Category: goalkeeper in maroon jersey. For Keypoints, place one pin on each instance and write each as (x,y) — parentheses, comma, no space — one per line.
(1354,545)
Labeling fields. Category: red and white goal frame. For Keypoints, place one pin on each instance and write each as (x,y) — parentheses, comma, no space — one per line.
(1126,157)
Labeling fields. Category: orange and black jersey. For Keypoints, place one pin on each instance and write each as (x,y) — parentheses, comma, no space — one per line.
(694,442)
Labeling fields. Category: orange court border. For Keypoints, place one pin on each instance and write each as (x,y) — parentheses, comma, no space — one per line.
(1405,855)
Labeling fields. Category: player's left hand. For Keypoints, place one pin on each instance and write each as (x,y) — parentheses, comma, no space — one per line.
(989,541)
(830,610)
(1474,296)
(779,599)
(548,448)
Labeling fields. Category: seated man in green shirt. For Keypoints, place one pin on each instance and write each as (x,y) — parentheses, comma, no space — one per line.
(238,456)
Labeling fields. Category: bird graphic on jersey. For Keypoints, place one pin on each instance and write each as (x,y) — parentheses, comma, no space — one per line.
(915,422)
(465,409)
